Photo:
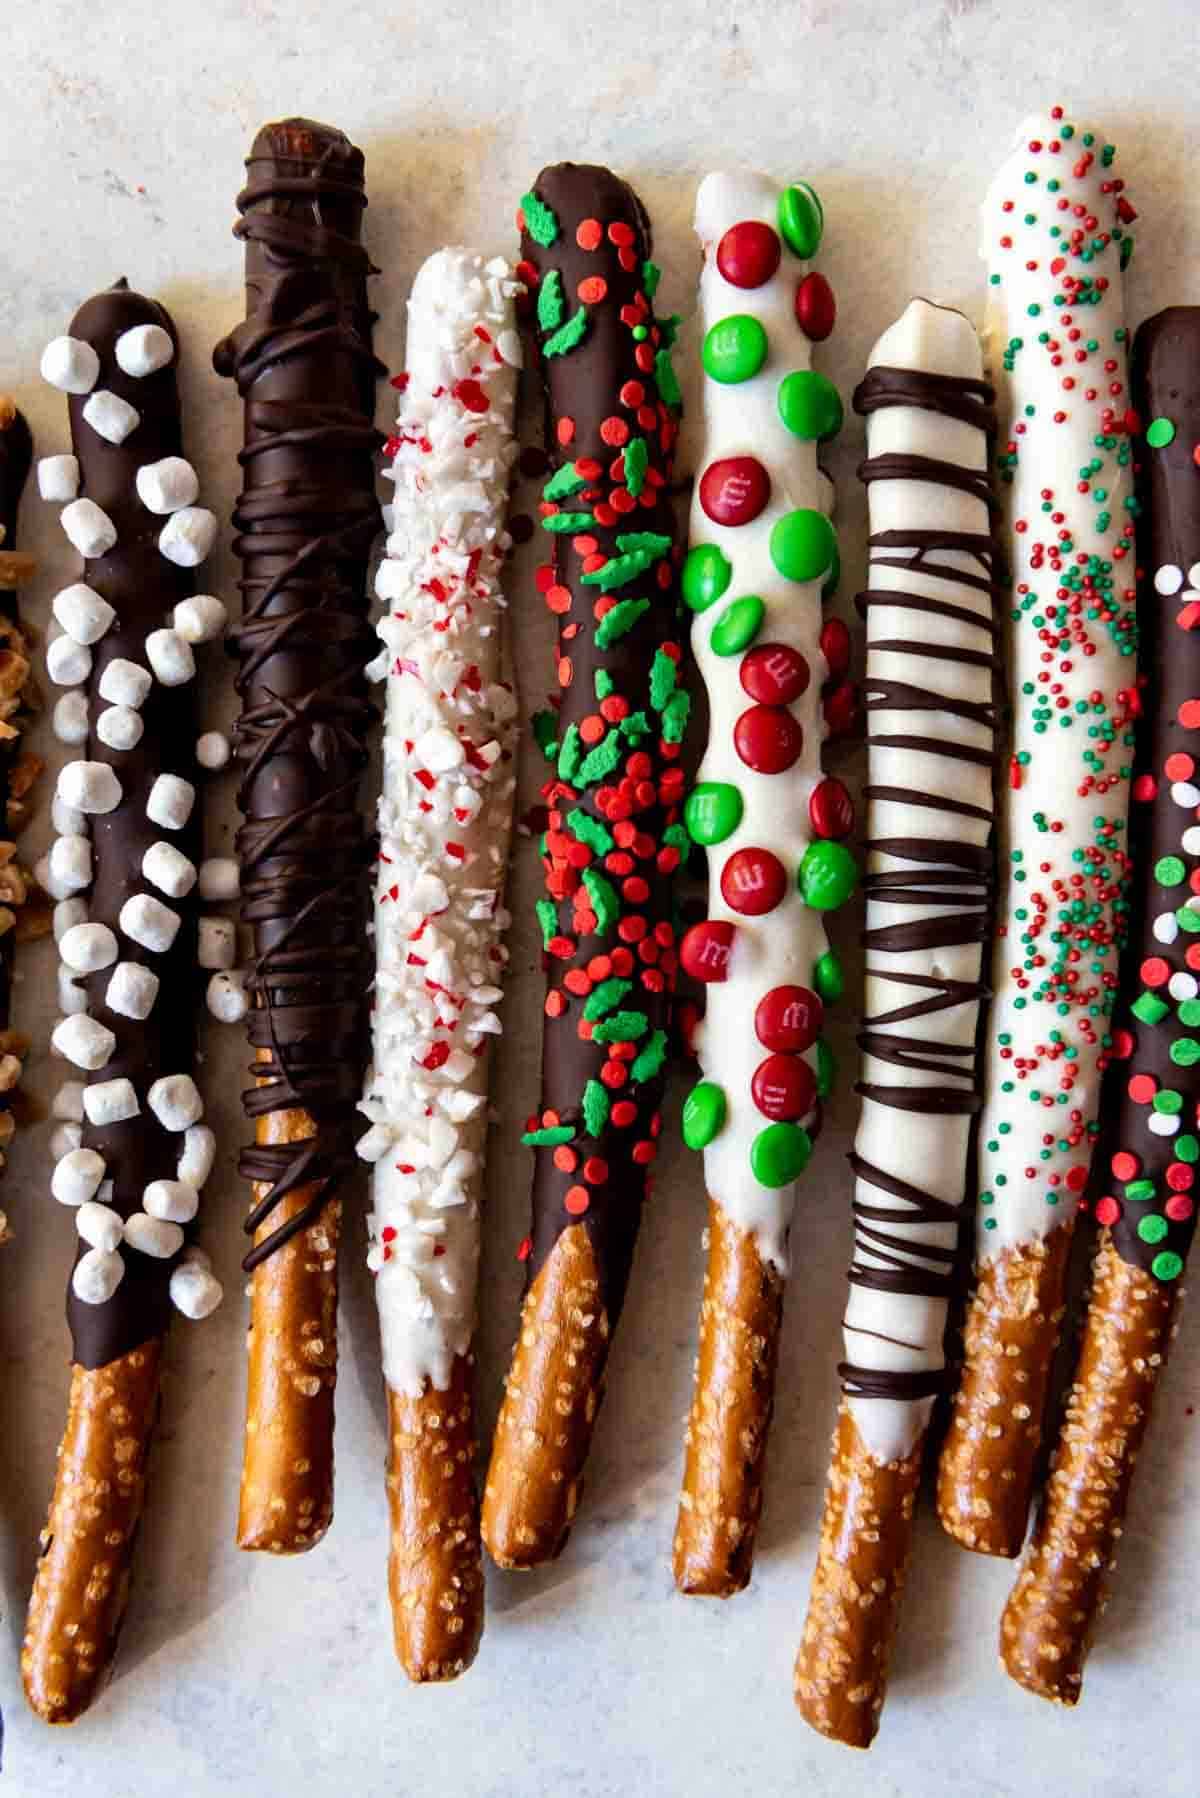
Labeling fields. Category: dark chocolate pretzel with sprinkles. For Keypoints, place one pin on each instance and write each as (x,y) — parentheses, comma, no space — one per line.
(1143,1185)
(614,835)
(306,519)
(129,836)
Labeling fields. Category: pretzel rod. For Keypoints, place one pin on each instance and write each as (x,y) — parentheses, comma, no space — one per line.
(445,819)
(1054,225)
(306,517)
(762,554)
(1144,1172)
(613,839)
(929,696)
(133,1168)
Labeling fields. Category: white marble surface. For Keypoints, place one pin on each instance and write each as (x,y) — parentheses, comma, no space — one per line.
(121,139)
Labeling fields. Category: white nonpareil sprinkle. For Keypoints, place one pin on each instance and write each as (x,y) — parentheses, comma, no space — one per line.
(165,486)
(219,878)
(77,1176)
(70,364)
(172,1200)
(125,683)
(88,947)
(68,663)
(90,531)
(226,997)
(72,1000)
(200,619)
(195,1292)
(213,750)
(216,943)
(82,613)
(68,867)
(146,920)
(99,1225)
(70,717)
(142,350)
(120,727)
(110,416)
(171,801)
(197,1155)
(67,1102)
(110,1102)
(84,1041)
(188,536)
(175,1101)
(171,658)
(132,990)
(97,1276)
(153,1236)
(168,869)
(68,913)
(58,477)
(90,787)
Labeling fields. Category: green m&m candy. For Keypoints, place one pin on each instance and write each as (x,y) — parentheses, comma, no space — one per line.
(828,977)
(738,626)
(803,544)
(712,812)
(830,584)
(828,875)
(810,405)
(703,1114)
(734,349)
(779,1154)
(706,574)
(826,1068)
(801,219)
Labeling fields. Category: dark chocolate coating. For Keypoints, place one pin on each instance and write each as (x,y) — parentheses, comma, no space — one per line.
(16,459)
(585,385)
(306,519)
(1165,374)
(142,586)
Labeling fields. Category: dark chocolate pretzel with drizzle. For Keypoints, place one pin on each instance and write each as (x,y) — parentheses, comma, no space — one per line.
(306,519)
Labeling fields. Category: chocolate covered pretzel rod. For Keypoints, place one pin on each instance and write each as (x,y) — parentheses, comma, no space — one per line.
(929,697)
(445,819)
(130,838)
(306,517)
(613,839)
(762,554)
(1054,242)
(1144,1172)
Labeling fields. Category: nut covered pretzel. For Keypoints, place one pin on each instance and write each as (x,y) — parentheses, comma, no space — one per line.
(306,519)
(1143,1180)
(136,1153)
(445,820)
(762,555)
(1054,243)
(613,839)
(931,669)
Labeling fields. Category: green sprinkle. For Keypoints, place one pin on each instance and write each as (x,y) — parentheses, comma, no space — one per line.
(1139,1191)
(595,1107)
(1169,871)
(550,302)
(602,998)
(622,1027)
(601,760)
(1189,1013)
(604,683)
(563,483)
(1152,1228)
(646,1065)
(1167,1265)
(678,838)
(548,1138)
(1185,1052)
(540,221)
(621,619)
(637,458)
(569,754)
(663,675)
(604,900)
(704,1112)
(618,571)
(651,276)
(1187,1148)
(547,917)
(1167,1102)
(635,726)
(545,733)
(563,522)
(675,716)
(591,831)
(1149,1008)
(1160,432)
(568,336)
(668,385)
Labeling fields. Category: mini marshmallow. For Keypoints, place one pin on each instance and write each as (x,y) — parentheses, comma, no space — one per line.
(64,1139)
(375,1144)
(165,486)
(175,1101)
(67,1102)
(216,943)
(153,1236)
(77,1176)
(171,658)
(143,350)
(110,416)
(67,869)
(97,1276)
(226,997)
(89,786)
(212,749)
(148,921)
(168,869)
(125,683)
(132,990)
(70,717)
(68,913)
(188,536)
(194,1256)
(58,477)
(197,1156)
(200,619)
(107,1192)
(172,1200)
(88,947)
(65,819)
(84,1041)
(110,1102)
(219,878)
(194,1290)
(82,613)
(99,1225)
(70,364)
(72,1000)
(170,802)
(68,663)
(90,530)
(120,727)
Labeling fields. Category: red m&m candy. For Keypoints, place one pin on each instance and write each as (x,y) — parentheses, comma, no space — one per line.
(775,674)
(704,951)
(748,254)
(816,308)
(753,881)
(830,809)
(734,490)
(768,739)
(840,709)
(783,1088)
(835,647)
(788,1019)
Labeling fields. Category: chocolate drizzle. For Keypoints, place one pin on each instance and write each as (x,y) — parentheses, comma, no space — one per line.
(950,882)
(306,518)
